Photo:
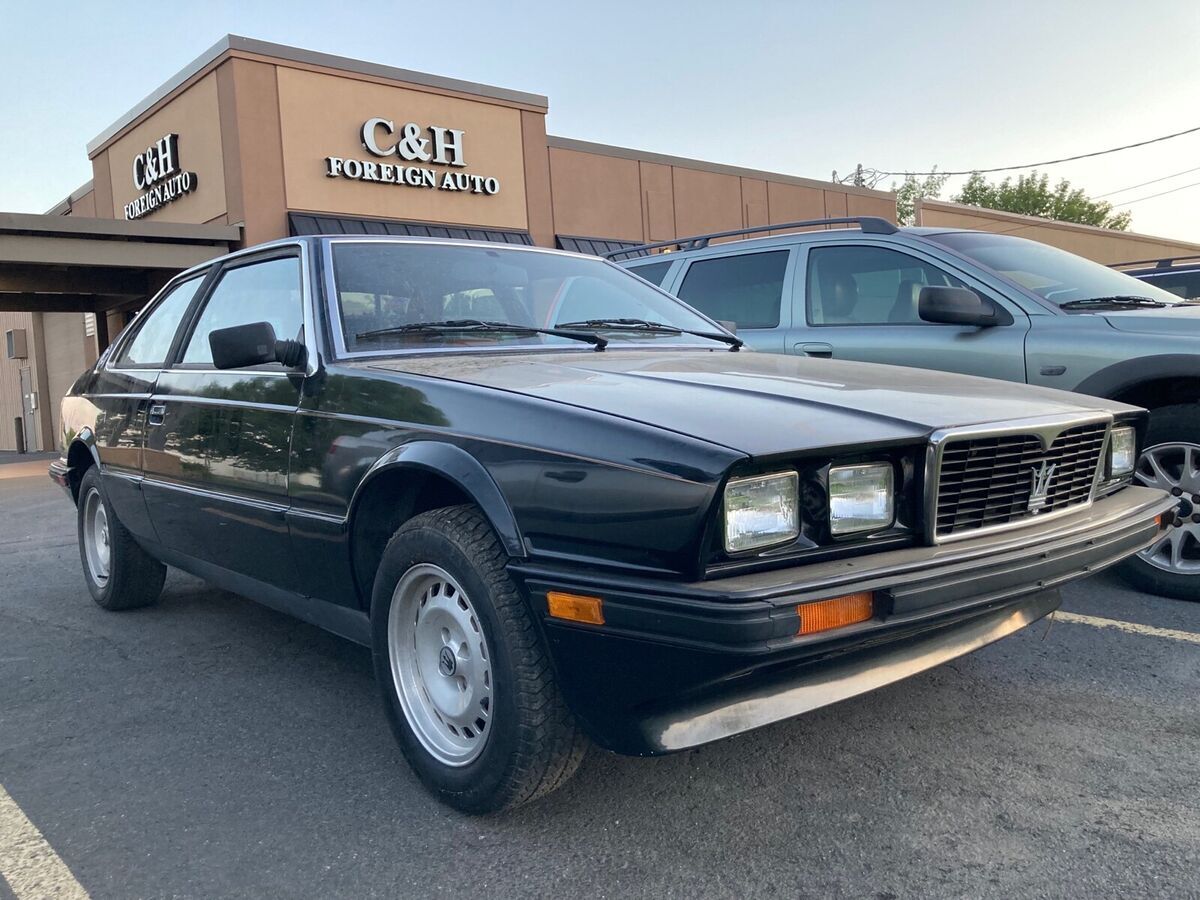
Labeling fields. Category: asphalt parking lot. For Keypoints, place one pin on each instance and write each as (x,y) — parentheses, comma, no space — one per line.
(209,747)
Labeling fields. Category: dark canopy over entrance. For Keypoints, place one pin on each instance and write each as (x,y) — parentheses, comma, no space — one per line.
(66,264)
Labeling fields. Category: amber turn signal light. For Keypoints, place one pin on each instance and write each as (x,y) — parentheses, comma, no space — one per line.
(576,608)
(1165,519)
(835,613)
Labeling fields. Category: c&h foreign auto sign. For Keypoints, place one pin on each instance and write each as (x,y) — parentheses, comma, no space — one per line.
(156,172)
(415,150)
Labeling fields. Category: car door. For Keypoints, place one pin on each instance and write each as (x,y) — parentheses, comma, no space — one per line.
(859,301)
(218,441)
(746,288)
(120,394)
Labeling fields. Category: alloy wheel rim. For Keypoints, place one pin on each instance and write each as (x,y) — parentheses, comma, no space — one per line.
(96,544)
(441,665)
(1174,467)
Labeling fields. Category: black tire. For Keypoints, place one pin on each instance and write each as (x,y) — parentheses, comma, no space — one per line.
(533,744)
(135,578)
(1168,425)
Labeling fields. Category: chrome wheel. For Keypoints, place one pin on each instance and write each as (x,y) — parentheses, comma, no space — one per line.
(1175,467)
(96,545)
(440,665)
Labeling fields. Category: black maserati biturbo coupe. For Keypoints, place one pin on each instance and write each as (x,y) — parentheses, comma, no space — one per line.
(559,505)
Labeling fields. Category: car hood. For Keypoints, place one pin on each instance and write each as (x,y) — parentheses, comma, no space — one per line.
(757,403)
(1184,319)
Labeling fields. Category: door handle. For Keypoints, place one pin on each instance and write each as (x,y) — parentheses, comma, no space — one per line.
(157,412)
(816,349)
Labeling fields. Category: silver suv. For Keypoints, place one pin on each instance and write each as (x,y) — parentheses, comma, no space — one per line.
(974,302)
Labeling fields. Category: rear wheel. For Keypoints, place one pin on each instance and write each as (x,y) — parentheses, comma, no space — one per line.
(1171,461)
(119,573)
(465,676)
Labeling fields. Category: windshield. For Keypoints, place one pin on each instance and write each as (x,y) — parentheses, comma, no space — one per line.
(1053,274)
(387,290)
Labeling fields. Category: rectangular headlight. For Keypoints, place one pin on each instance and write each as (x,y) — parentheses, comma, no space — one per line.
(861,498)
(761,511)
(1122,451)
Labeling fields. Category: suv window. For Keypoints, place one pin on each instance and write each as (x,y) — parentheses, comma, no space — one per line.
(746,289)
(260,292)
(152,342)
(1183,284)
(653,272)
(868,286)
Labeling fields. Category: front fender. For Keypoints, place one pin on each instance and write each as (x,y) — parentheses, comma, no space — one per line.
(462,469)
(1121,376)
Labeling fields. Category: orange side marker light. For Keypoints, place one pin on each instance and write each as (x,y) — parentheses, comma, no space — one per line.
(835,613)
(576,608)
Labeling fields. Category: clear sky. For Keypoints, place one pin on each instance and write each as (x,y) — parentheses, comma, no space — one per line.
(796,87)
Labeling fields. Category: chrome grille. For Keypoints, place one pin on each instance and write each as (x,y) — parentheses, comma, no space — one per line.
(986,481)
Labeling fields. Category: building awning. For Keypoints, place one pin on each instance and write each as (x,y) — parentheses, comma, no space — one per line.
(67,264)
(305,224)
(592,245)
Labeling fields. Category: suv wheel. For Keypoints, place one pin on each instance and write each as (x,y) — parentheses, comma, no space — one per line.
(119,573)
(1171,461)
(466,680)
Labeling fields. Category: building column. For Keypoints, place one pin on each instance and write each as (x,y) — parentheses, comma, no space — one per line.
(46,438)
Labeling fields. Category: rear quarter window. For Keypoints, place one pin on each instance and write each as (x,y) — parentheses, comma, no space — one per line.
(746,289)
(653,272)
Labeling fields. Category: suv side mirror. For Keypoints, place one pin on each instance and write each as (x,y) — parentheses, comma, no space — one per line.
(959,306)
(253,345)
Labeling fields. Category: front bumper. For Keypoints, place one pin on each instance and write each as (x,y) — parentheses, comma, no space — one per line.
(679,664)
(60,474)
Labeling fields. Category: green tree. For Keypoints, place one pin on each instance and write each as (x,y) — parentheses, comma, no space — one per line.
(1031,195)
(913,189)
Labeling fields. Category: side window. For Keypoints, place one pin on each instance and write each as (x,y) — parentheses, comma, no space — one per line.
(746,289)
(152,342)
(868,286)
(654,272)
(259,292)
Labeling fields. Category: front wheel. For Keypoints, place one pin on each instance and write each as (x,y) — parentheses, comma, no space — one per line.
(466,679)
(1171,462)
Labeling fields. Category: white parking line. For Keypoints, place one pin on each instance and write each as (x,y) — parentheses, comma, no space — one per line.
(30,866)
(1191,637)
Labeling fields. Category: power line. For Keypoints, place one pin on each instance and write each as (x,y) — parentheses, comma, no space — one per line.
(1144,183)
(1161,194)
(1054,162)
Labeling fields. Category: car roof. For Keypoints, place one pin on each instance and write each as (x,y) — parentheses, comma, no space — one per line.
(776,240)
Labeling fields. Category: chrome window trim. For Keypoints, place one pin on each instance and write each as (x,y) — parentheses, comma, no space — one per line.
(1045,428)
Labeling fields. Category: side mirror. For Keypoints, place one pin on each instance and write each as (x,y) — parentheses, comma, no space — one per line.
(959,306)
(253,345)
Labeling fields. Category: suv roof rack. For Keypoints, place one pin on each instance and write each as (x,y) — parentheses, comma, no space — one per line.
(1164,263)
(869,225)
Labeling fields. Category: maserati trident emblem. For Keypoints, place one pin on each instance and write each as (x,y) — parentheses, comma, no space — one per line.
(1039,490)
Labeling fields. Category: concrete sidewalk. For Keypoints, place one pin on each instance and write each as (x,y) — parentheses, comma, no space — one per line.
(25,465)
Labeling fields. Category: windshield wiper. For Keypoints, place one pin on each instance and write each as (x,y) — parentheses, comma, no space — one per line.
(1117,301)
(449,325)
(735,343)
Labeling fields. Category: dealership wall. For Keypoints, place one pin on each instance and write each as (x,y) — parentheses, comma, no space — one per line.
(1100,244)
(633,195)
